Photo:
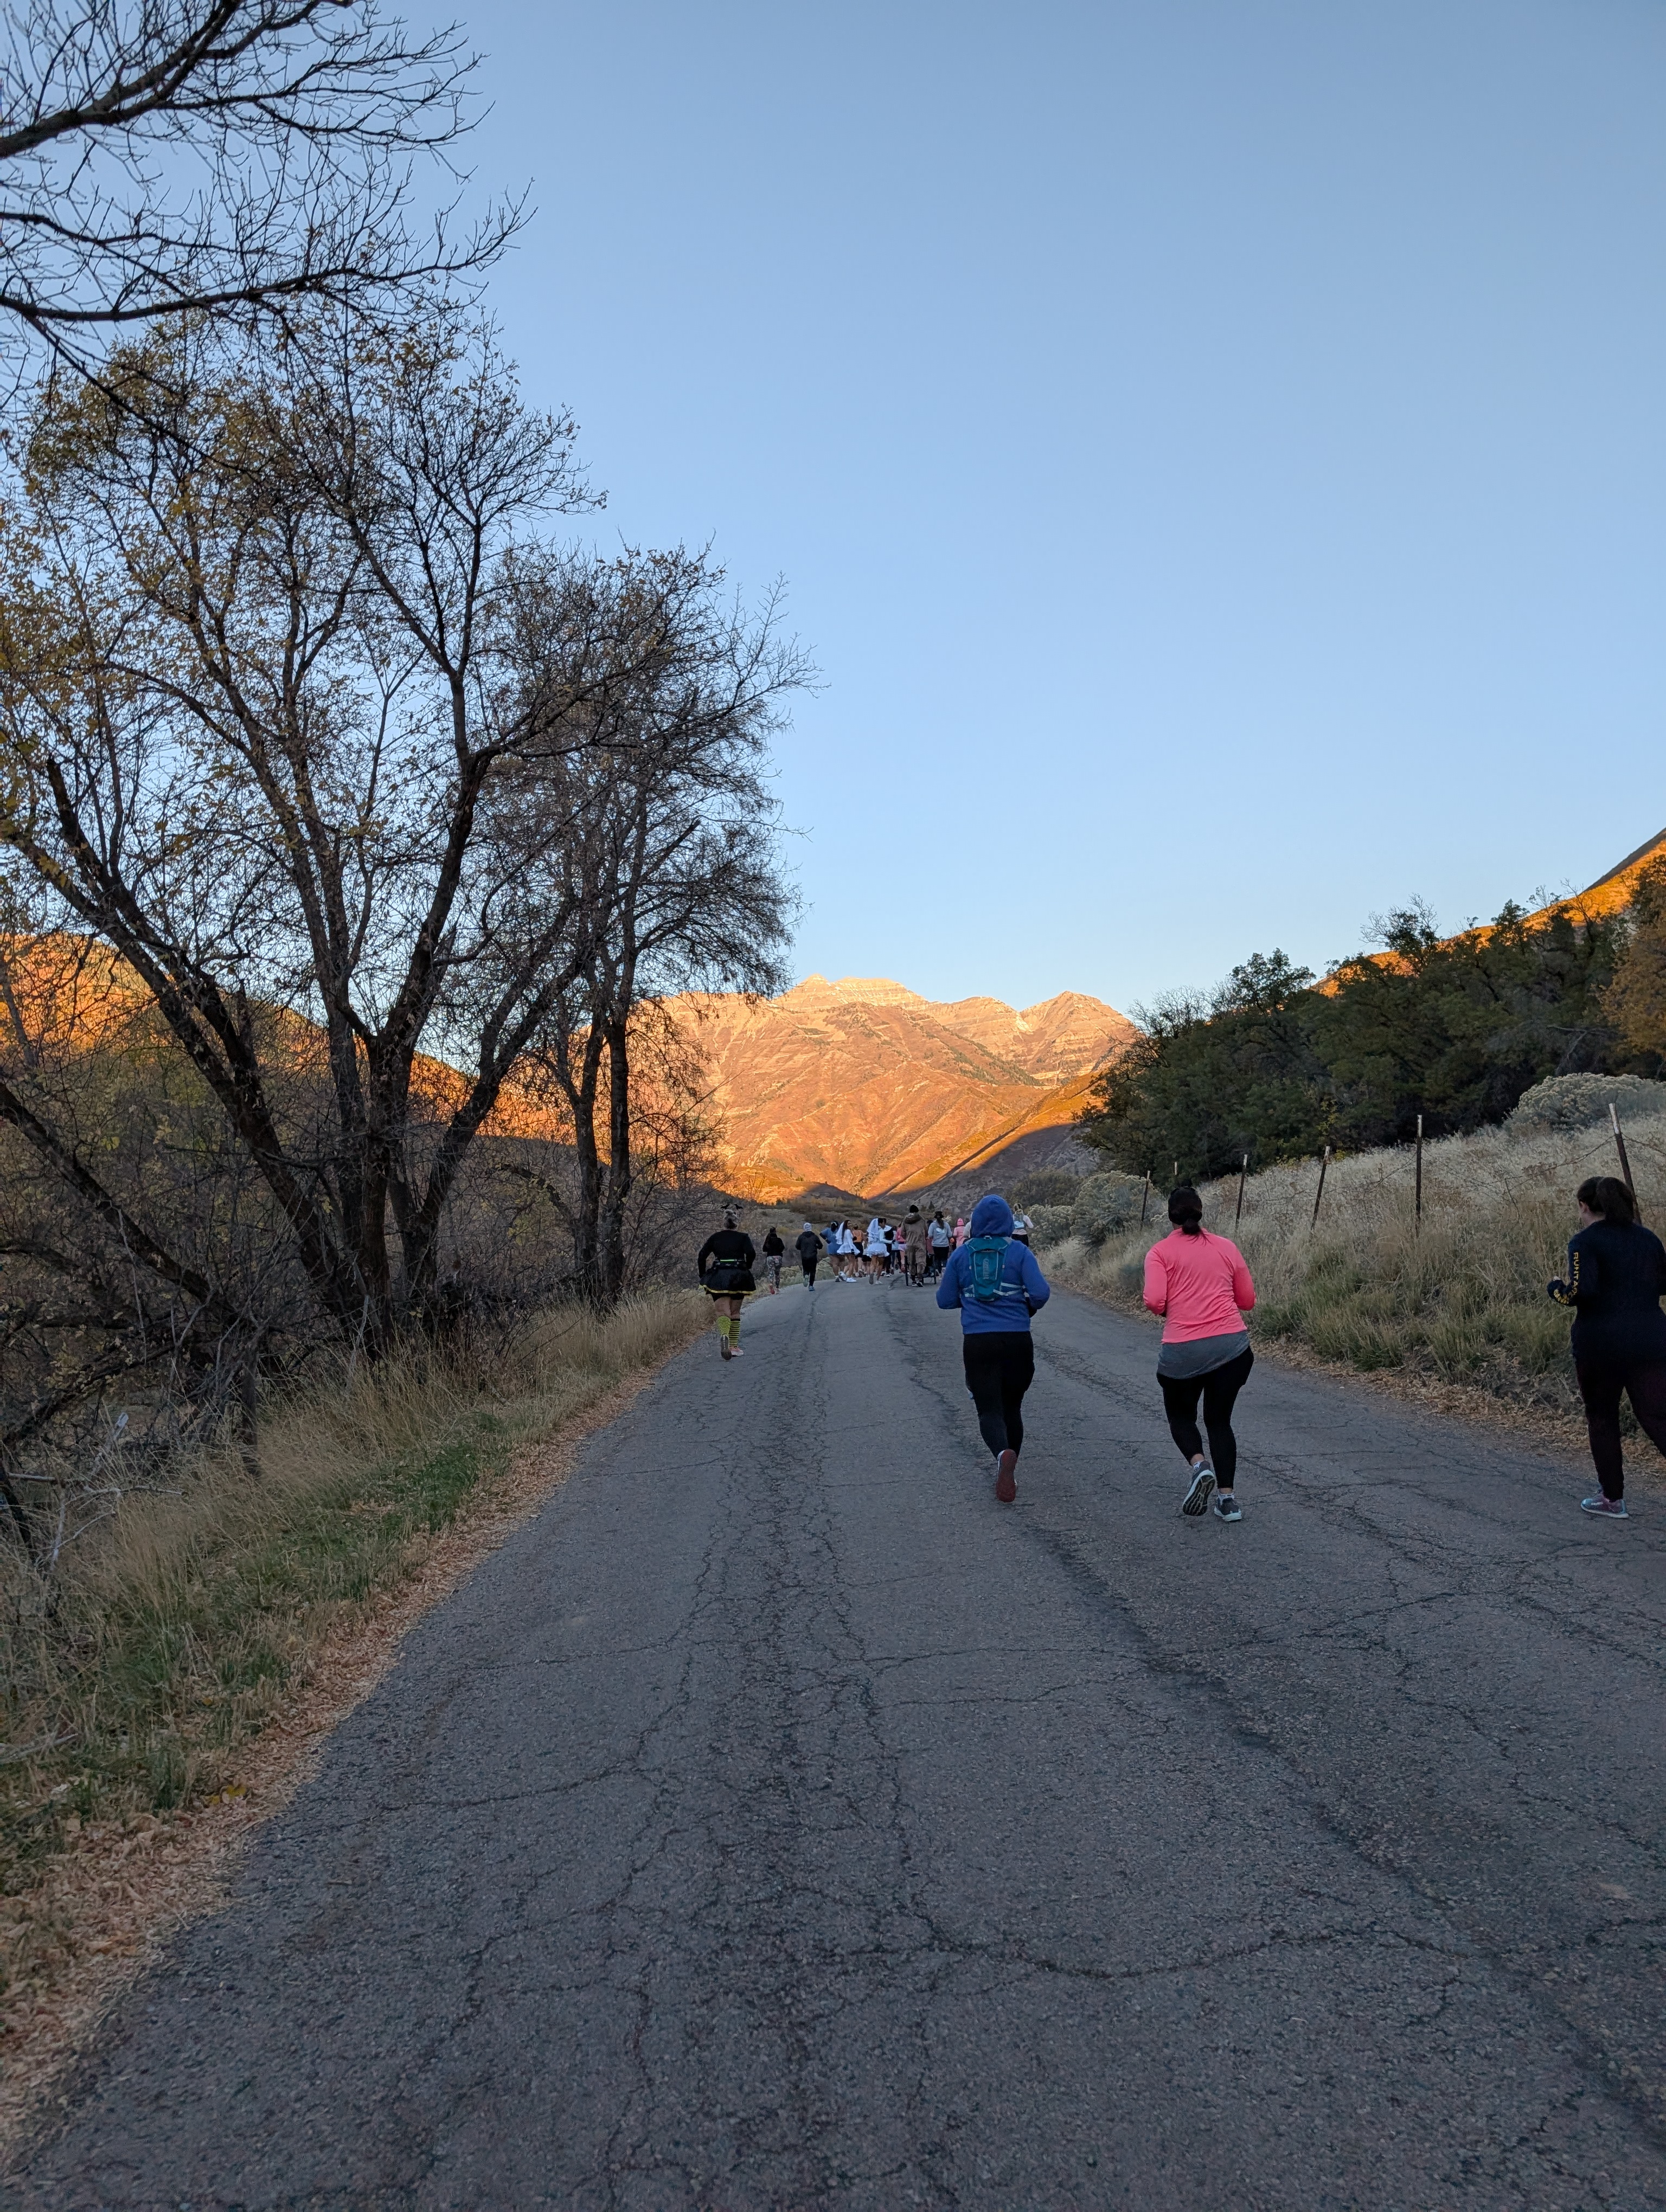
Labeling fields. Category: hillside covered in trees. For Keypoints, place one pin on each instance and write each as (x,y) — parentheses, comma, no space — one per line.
(1277,1062)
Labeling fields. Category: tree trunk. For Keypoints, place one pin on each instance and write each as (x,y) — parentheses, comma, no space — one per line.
(618,1164)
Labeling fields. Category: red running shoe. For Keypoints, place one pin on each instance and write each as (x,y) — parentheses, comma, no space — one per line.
(1005,1488)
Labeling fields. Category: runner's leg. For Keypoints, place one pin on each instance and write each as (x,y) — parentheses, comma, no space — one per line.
(1018,1372)
(1220,1388)
(1600,1386)
(982,1361)
(1179,1397)
(1646,1388)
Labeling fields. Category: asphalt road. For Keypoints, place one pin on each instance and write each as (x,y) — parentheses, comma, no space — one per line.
(778,1821)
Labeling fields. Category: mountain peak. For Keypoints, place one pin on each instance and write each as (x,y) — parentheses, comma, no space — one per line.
(851,991)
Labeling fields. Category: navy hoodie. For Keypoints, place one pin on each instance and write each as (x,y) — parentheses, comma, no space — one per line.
(1616,1274)
(1023,1286)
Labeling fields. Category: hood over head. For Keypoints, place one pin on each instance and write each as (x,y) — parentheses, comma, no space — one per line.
(992,1217)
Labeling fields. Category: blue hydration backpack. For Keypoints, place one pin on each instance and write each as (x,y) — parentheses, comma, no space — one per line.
(987,1266)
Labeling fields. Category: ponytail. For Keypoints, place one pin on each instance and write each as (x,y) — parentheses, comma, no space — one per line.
(1608,1196)
(1186,1210)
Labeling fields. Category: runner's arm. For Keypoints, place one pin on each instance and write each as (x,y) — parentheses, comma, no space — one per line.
(948,1283)
(1157,1282)
(1243,1288)
(1579,1286)
(1035,1283)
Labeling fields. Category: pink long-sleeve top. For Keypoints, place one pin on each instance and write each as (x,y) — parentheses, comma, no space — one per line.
(1199,1284)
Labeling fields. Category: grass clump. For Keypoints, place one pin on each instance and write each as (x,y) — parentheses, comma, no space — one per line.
(135,1673)
(1462,1300)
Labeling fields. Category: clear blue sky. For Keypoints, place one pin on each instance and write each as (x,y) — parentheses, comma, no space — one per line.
(1215,447)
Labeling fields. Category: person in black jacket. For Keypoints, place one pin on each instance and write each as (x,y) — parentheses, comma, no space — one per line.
(773,1250)
(1616,1277)
(809,1250)
(726,1268)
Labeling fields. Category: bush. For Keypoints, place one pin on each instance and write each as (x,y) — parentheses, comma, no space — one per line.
(1103,1206)
(1582,1102)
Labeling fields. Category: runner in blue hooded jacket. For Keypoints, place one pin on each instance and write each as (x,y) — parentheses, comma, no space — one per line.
(995,1346)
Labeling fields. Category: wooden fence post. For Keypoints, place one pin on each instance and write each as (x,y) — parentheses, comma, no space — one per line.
(1242,1171)
(1320,1193)
(1145,1199)
(1625,1163)
(1419,1229)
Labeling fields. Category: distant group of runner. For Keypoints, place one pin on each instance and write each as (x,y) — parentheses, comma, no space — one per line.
(1200,1285)
(913,1249)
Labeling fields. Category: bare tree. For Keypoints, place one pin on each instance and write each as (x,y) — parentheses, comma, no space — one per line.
(283,742)
(678,857)
(160,157)
(348,764)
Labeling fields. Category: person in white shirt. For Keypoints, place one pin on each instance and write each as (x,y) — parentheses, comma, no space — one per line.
(876,1249)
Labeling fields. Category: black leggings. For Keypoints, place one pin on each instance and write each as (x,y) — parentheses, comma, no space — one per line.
(1001,1365)
(1220,1387)
(809,1267)
(1601,1381)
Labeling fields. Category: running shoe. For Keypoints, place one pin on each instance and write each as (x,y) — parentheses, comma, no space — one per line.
(1196,1499)
(735,1352)
(1227,1508)
(1610,1508)
(1006,1487)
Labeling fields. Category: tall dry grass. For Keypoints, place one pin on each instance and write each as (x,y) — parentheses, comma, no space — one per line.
(133,1675)
(1463,1301)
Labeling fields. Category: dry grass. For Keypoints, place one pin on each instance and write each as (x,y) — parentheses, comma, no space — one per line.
(139,1678)
(1463,1302)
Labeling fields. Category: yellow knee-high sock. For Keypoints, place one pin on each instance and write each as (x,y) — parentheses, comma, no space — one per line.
(734,1328)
